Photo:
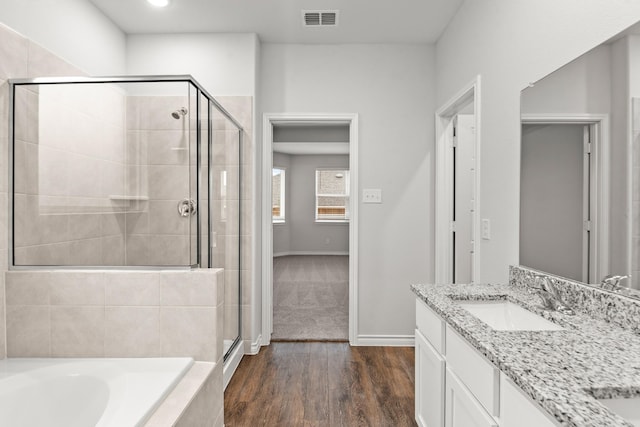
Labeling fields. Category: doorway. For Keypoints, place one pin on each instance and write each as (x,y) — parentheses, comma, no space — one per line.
(334,213)
(457,187)
(563,194)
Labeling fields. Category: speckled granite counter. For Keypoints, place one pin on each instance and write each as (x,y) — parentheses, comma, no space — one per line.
(561,370)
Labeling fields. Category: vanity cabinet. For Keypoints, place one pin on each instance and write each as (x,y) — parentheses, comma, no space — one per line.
(430,380)
(462,407)
(456,386)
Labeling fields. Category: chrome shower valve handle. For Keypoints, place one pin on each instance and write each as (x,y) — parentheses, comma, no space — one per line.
(187,207)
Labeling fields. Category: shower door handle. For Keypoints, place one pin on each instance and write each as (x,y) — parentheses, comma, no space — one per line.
(187,207)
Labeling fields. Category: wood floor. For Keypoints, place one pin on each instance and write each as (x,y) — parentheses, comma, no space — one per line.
(322,384)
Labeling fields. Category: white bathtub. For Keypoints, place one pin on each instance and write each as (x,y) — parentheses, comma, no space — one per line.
(85,392)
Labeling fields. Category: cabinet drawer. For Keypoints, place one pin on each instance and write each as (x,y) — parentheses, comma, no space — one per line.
(476,372)
(462,408)
(431,325)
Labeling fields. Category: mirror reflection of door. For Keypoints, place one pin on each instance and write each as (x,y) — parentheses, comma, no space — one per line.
(555,191)
(463,201)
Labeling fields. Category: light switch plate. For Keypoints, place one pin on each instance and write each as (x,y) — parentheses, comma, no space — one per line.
(372,195)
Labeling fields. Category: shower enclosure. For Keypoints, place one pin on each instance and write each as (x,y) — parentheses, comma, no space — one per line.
(126,172)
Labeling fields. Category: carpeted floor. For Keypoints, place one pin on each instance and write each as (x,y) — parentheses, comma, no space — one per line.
(311,298)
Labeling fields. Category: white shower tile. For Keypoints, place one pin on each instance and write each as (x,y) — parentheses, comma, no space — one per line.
(27,288)
(77,331)
(132,288)
(13,51)
(85,252)
(28,331)
(132,332)
(77,288)
(164,218)
(167,147)
(113,250)
(43,63)
(168,182)
(188,331)
(188,288)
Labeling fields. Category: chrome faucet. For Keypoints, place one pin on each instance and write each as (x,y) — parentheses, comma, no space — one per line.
(548,293)
(612,282)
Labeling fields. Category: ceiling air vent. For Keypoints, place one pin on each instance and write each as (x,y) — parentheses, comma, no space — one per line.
(320,18)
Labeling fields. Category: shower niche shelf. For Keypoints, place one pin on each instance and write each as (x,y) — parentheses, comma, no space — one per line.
(128,203)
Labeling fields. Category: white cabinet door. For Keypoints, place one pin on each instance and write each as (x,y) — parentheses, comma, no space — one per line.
(430,367)
(518,410)
(462,408)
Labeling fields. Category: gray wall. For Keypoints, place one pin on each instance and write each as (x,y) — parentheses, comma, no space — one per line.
(300,234)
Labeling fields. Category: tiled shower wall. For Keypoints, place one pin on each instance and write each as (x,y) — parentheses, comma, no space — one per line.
(20,58)
(158,168)
(69,163)
(23,58)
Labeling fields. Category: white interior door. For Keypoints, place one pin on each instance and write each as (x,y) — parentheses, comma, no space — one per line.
(464,203)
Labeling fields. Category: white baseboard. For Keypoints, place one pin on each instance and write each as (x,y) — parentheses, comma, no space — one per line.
(253,348)
(385,341)
(289,253)
(231,364)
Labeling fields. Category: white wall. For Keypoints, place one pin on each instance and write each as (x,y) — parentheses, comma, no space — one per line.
(223,63)
(75,30)
(512,43)
(392,89)
(581,87)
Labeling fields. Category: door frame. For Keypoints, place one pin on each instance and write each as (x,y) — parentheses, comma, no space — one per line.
(470,93)
(268,120)
(601,173)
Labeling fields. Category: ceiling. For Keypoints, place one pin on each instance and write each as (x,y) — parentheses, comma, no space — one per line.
(280,21)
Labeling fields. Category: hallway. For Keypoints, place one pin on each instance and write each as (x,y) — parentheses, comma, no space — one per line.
(322,384)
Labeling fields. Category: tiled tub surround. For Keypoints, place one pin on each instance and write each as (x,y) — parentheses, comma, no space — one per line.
(560,370)
(93,313)
(96,313)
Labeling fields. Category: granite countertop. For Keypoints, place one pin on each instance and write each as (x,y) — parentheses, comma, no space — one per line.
(561,370)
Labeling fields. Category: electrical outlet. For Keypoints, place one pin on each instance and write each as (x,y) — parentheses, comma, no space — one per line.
(486,229)
(372,196)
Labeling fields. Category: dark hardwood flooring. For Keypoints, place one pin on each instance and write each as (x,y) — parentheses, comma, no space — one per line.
(322,384)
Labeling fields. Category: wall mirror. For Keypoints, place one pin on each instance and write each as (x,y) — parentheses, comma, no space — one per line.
(580,166)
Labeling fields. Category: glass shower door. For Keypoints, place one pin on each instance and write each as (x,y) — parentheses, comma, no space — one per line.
(225,212)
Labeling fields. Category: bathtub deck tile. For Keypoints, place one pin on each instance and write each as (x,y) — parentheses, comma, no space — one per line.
(176,407)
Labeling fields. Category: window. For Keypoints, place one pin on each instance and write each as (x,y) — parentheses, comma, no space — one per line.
(277,194)
(332,195)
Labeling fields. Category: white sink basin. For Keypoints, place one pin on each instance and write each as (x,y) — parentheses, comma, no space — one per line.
(507,316)
(629,409)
